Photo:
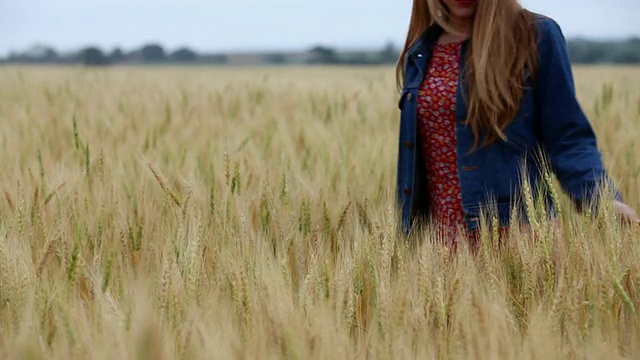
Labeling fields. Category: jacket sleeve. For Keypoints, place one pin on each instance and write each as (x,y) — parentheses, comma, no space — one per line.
(566,134)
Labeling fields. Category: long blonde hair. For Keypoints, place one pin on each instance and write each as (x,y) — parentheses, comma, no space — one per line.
(503,49)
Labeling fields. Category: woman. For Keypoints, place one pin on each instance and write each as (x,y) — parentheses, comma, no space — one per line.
(485,85)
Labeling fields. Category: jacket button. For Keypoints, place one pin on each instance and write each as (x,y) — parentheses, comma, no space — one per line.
(409,96)
(409,144)
(407,191)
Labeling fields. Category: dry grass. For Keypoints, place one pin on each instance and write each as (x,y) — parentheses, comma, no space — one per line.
(192,213)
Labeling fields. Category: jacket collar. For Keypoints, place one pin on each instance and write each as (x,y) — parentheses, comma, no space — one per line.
(419,55)
(426,41)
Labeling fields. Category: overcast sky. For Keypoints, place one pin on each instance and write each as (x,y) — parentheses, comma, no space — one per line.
(232,25)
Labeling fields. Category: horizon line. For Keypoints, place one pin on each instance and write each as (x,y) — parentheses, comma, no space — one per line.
(258,49)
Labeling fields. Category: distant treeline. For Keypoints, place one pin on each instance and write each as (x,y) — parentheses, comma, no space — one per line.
(581,51)
(612,52)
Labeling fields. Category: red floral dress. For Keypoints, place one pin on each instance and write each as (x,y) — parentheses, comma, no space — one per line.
(437,132)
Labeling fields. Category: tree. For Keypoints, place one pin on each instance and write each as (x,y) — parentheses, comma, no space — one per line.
(92,56)
(152,53)
(323,55)
(50,55)
(389,55)
(184,55)
(588,52)
(39,54)
(626,54)
(116,56)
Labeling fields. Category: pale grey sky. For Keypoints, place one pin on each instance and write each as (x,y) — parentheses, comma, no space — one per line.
(222,25)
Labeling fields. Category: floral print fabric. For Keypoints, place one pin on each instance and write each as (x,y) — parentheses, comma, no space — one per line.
(437,132)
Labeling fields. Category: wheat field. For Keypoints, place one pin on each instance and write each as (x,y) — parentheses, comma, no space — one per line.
(196,213)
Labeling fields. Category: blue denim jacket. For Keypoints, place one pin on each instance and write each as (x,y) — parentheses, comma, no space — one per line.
(550,118)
